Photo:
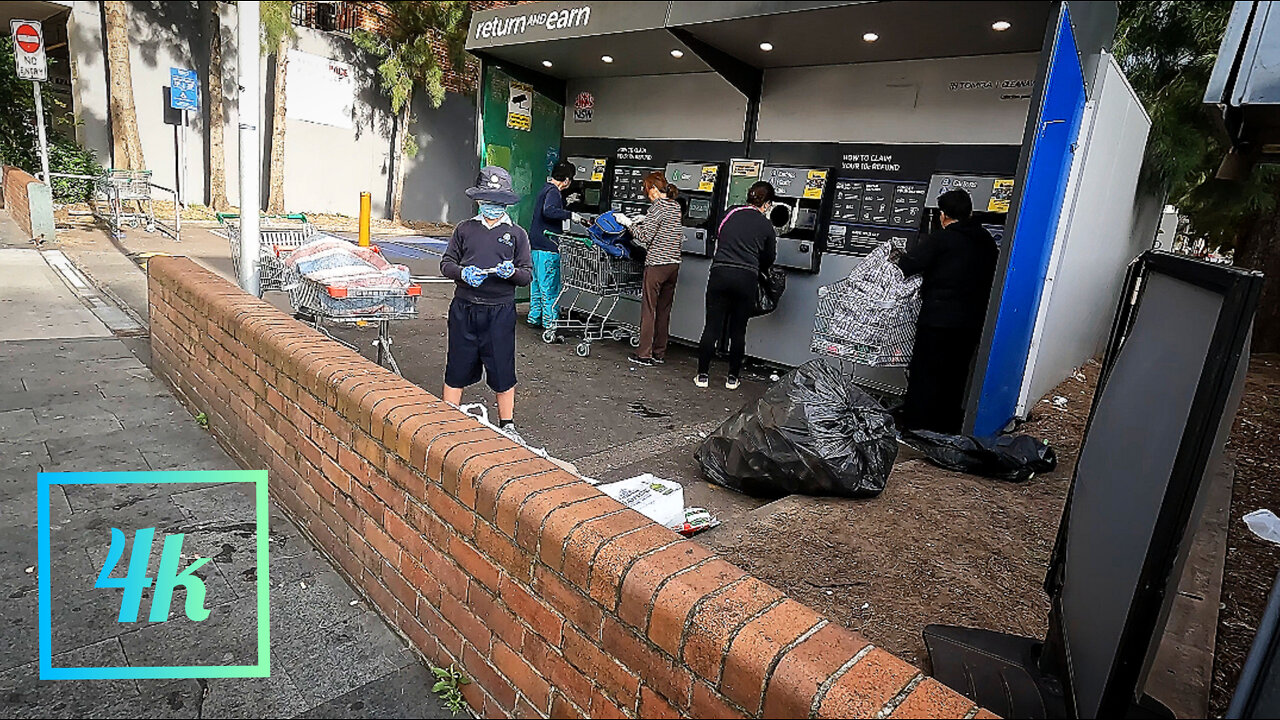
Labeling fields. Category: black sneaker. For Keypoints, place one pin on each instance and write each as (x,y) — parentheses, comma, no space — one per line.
(641,361)
(658,361)
(731,383)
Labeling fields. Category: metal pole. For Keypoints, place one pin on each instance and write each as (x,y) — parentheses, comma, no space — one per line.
(44,144)
(182,161)
(250,100)
(366,213)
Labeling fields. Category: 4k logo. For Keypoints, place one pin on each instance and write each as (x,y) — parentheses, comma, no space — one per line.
(167,579)
(133,569)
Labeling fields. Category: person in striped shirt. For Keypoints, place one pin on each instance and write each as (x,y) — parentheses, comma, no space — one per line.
(661,234)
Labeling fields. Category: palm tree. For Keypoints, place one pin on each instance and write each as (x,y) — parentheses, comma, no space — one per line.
(277,34)
(406,59)
(126,151)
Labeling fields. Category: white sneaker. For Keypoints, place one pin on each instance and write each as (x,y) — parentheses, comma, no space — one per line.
(510,431)
(701,381)
(731,383)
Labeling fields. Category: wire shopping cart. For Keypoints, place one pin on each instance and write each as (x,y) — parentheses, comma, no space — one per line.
(123,197)
(587,271)
(318,305)
(279,235)
(869,318)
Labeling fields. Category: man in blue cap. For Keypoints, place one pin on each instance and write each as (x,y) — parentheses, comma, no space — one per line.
(488,257)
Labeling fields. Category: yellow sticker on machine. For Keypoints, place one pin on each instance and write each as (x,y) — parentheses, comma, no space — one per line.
(707,183)
(814,184)
(597,170)
(1001,194)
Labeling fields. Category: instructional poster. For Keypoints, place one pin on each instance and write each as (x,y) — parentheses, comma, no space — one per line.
(520,107)
(1001,194)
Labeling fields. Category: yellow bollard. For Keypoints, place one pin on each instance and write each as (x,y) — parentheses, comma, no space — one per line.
(365,212)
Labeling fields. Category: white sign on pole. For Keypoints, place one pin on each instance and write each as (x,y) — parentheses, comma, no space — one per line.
(28,50)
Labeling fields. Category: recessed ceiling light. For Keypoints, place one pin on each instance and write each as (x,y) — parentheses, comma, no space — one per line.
(870,37)
(1001,25)
(546,63)
(766,46)
(677,54)
(607,58)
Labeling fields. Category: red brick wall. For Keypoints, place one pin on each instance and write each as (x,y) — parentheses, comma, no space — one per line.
(15,183)
(556,599)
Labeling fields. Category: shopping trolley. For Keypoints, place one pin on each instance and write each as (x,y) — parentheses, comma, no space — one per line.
(123,197)
(869,318)
(318,305)
(278,236)
(587,271)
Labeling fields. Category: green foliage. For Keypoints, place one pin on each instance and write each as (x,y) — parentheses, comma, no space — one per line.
(276,18)
(405,56)
(19,139)
(1168,50)
(449,682)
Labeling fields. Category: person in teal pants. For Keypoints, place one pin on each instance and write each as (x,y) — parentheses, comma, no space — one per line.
(549,214)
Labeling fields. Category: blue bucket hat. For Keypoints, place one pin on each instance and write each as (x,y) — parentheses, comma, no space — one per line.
(493,185)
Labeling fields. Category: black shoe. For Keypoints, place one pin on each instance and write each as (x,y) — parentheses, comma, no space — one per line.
(641,361)
(658,361)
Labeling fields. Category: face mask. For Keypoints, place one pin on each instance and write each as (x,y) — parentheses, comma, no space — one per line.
(490,211)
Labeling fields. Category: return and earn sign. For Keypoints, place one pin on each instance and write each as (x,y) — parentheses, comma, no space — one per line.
(28,50)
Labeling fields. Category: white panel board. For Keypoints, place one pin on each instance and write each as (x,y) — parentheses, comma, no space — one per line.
(1098,241)
(321,90)
(693,106)
(969,100)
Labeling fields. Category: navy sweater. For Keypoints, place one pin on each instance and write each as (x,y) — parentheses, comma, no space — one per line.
(474,243)
(548,214)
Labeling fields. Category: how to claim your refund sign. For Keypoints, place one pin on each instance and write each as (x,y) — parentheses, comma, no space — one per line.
(28,50)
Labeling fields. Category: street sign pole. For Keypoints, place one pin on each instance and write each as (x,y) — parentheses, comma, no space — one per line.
(44,143)
(182,161)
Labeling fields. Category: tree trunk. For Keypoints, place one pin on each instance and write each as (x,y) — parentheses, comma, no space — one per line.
(402,131)
(275,199)
(217,162)
(126,145)
(1259,249)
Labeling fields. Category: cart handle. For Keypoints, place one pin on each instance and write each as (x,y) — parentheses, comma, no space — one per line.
(222,217)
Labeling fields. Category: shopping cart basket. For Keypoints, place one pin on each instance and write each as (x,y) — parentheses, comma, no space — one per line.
(278,236)
(318,305)
(596,281)
(869,318)
(123,197)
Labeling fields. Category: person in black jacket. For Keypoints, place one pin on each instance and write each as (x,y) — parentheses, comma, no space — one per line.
(957,265)
(746,246)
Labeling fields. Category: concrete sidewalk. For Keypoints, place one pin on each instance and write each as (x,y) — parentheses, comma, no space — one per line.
(73,398)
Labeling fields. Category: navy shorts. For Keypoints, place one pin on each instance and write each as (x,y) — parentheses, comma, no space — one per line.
(481,337)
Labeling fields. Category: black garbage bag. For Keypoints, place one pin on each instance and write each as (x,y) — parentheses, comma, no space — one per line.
(1016,458)
(772,283)
(813,433)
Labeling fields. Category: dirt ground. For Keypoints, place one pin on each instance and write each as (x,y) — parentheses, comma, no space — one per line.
(1251,562)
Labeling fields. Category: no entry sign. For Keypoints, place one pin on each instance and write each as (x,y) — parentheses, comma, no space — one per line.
(28,50)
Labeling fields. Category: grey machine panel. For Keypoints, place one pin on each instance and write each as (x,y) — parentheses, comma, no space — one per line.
(698,183)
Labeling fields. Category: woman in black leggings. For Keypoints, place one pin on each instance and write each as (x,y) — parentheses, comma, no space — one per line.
(746,246)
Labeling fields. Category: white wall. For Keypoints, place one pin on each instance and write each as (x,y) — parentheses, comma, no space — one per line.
(1106,226)
(692,106)
(326,167)
(900,102)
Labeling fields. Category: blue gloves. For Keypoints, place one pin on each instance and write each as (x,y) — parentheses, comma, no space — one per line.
(472,276)
(505,269)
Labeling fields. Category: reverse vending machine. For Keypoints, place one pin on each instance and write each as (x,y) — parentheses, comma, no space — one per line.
(699,185)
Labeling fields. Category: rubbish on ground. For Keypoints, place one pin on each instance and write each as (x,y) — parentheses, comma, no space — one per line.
(1059,401)
(662,501)
(1264,524)
(815,432)
(773,377)
(1017,458)
(481,413)
(696,520)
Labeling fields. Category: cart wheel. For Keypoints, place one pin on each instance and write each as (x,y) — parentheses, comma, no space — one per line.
(548,336)
(635,341)
(584,349)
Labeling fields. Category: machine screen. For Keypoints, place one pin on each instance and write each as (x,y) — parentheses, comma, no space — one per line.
(699,208)
(591,197)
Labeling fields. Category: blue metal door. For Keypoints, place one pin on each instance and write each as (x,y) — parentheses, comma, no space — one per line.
(1033,235)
